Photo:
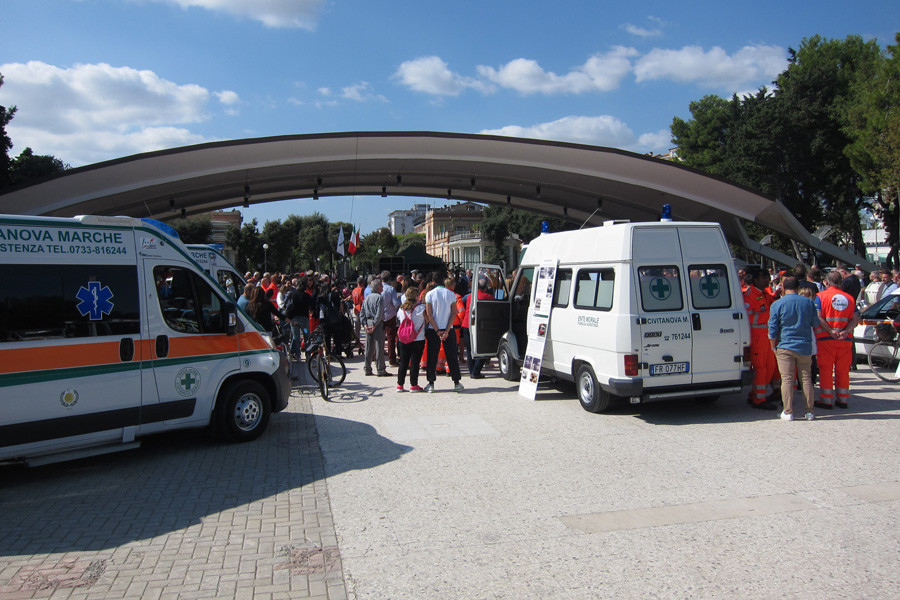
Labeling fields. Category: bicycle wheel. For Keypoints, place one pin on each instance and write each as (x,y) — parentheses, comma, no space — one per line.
(884,360)
(337,371)
(322,378)
(334,366)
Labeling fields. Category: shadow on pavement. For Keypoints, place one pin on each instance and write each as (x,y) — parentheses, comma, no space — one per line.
(173,481)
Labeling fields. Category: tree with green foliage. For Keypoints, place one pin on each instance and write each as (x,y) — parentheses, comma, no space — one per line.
(30,167)
(6,115)
(247,244)
(411,239)
(500,222)
(873,117)
(790,143)
(193,230)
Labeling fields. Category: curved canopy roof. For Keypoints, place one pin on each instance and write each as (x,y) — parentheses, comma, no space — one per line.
(583,183)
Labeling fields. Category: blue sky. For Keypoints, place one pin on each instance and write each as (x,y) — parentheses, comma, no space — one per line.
(101,79)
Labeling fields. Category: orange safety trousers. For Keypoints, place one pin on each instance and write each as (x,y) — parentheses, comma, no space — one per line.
(834,358)
(764,366)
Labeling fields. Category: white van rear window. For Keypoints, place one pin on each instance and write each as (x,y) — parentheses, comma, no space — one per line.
(709,286)
(660,288)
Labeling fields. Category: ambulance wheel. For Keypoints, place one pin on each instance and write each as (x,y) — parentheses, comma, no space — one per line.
(592,397)
(507,363)
(244,411)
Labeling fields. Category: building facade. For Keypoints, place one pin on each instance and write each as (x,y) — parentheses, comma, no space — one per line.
(453,234)
(401,222)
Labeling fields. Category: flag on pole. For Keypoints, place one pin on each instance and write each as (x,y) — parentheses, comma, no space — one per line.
(340,242)
(354,241)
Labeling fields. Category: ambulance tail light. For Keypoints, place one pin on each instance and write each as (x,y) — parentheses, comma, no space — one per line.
(631,365)
(747,355)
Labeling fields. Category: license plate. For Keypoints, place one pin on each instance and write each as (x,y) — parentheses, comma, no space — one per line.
(669,368)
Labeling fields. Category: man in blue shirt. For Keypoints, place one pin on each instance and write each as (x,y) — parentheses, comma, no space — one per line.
(791,322)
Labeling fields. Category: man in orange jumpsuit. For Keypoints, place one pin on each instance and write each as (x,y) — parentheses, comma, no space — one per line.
(757,302)
(834,341)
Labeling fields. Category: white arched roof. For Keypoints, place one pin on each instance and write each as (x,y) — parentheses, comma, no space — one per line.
(583,183)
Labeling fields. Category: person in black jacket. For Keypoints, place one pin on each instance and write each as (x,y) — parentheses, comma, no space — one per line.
(261,310)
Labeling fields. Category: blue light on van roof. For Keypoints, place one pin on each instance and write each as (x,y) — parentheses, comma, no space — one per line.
(666,213)
(167,229)
(545,227)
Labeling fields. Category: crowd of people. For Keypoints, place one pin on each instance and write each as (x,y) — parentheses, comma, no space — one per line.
(801,327)
(437,305)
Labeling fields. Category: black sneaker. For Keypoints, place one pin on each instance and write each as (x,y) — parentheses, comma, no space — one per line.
(825,405)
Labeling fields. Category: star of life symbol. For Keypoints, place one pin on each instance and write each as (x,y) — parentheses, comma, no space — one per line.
(94,300)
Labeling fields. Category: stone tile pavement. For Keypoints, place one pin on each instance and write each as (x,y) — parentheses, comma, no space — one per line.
(182,517)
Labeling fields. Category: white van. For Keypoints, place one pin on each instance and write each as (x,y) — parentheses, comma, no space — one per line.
(110,331)
(219,269)
(640,311)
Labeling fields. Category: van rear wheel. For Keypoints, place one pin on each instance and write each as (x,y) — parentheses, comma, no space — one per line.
(244,411)
(592,397)
(508,368)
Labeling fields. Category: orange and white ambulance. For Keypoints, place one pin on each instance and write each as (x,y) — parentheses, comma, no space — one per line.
(109,331)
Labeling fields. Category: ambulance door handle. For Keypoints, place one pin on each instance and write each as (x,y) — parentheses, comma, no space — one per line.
(695,321)
(126,350)
(162,346)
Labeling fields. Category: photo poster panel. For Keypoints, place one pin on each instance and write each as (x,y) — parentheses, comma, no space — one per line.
(539,323)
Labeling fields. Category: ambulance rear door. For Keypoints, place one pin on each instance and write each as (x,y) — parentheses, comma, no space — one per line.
(663,318)
(716,314)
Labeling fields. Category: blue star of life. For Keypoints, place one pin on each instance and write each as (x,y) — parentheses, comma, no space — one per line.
(94,300)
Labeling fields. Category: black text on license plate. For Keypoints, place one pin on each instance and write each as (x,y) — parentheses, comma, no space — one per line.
(669,368)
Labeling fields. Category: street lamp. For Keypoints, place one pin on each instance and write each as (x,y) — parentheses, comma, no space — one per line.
(265,257)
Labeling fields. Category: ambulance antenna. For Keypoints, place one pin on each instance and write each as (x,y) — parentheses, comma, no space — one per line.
(589,218)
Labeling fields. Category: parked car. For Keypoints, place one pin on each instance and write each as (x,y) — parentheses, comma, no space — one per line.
(885,310)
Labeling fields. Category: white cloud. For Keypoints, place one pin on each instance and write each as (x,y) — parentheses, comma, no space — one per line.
(87,113)
(360,93)
(230,100)
(430,74)
(714,67)
(293,14)
(600,73)
(640,31)
(602,130)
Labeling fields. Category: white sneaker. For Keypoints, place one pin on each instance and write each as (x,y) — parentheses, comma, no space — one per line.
(786,417)
(809,416)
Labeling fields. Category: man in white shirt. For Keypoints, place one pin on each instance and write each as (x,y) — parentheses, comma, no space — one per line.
(440,313)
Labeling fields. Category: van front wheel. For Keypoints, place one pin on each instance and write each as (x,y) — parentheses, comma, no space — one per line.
(592,397)
(507,363)
(244,411)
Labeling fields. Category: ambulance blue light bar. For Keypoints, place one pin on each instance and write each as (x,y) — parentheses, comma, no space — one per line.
(167,229)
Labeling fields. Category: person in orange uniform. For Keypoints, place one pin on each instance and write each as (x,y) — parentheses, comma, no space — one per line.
(757,303)
(834,342)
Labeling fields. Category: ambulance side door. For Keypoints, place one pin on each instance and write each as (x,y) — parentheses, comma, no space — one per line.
(488,319)
(191,352)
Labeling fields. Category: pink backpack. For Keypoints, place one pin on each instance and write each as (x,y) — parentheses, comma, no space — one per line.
(407,332)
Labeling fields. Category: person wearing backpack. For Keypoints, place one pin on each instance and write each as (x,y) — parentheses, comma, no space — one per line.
(410,339)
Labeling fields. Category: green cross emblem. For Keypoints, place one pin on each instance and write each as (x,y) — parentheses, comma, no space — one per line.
(660,288)
(187,381)
(709,286)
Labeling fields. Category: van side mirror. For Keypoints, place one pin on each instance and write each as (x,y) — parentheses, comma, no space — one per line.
(230,312)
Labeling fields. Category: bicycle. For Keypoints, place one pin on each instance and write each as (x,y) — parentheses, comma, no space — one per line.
(884,355)
(327,370)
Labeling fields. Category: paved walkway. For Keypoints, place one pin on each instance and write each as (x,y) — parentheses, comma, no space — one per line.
(379,494)
(182,517)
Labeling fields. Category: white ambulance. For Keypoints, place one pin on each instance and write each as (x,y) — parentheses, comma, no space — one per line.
(219,269)
(110,331)
(639,311)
